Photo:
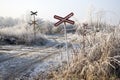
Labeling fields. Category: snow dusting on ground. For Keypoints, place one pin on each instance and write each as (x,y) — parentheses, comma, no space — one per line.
(28,62)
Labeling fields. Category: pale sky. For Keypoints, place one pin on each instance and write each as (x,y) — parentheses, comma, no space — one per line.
(48,8)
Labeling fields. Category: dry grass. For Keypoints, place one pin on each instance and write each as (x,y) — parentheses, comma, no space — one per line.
(101,63)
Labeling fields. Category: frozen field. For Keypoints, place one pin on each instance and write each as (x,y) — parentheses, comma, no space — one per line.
(28,62)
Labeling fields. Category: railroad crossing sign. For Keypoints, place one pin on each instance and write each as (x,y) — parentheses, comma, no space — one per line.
(64,20)
(34,13)
(34,22)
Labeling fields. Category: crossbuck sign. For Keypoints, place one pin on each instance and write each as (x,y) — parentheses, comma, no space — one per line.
(65,19)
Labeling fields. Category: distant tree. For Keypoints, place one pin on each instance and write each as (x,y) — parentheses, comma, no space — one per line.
(8,22)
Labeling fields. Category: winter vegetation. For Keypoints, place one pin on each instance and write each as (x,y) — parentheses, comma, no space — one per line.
(8,22)
(98,59)
(21,31)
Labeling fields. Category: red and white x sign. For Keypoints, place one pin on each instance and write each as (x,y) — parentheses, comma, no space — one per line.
(65,19)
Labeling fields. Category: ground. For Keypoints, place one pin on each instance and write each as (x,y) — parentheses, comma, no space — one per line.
(28,62)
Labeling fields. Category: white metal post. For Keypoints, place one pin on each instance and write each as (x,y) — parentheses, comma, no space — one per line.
(65,33)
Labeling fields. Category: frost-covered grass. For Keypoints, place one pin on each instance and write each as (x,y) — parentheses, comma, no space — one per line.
(21,34)
(99,59)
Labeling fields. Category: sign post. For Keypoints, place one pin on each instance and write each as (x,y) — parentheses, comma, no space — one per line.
(34,22)
(64,20)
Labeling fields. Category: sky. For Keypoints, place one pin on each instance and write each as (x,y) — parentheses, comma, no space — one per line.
(48,8)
